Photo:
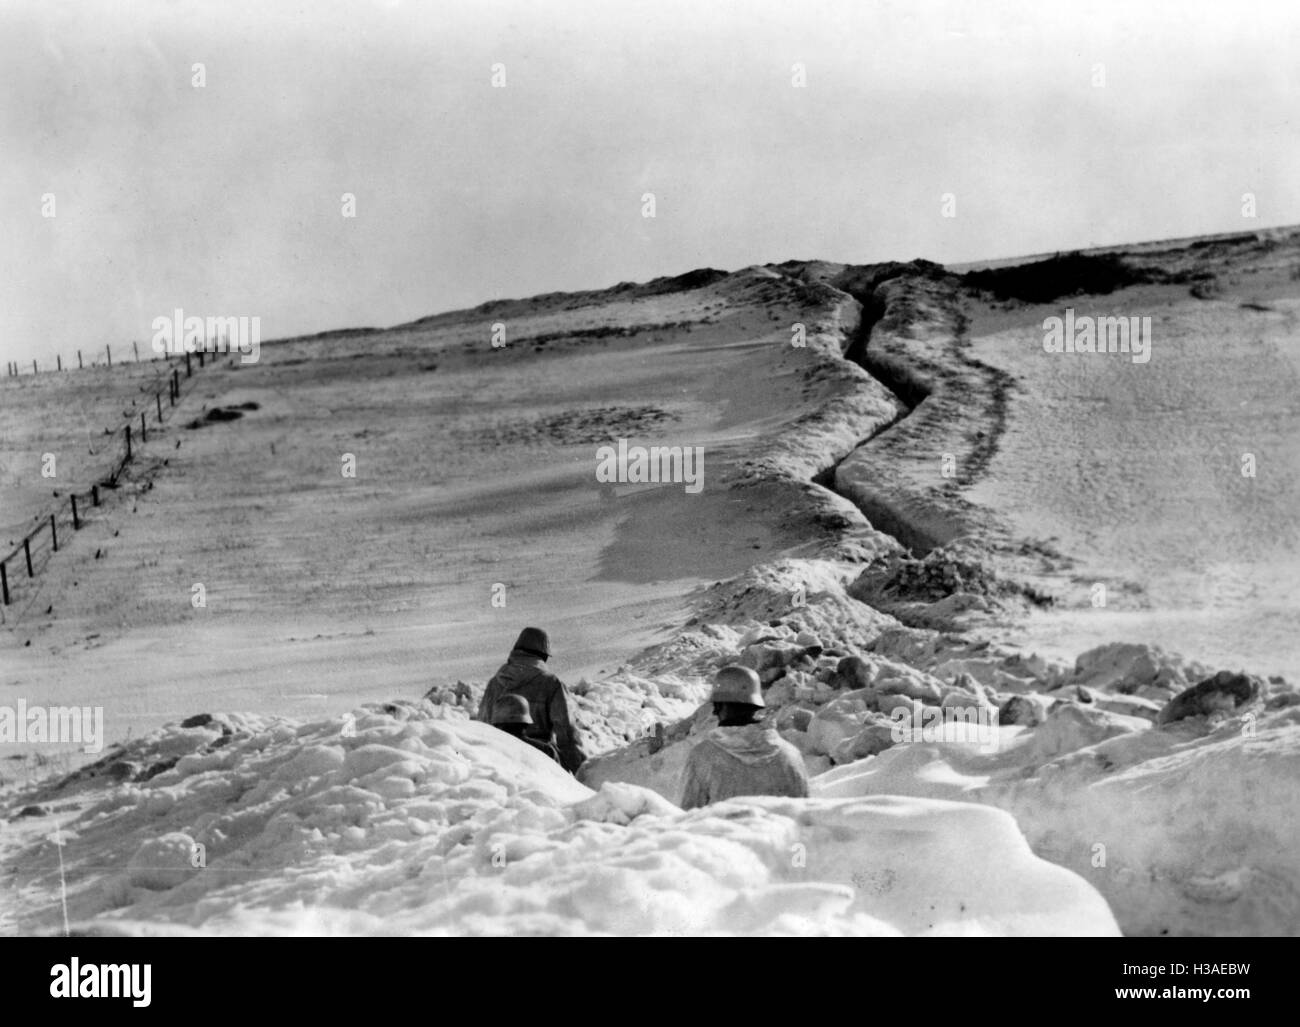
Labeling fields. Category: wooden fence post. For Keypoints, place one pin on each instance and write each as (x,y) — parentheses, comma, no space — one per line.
(27,550)
(187,363)
(144,432)
(136,346)
(34,371)
(128,444)
(94,494)
(4,582)
(54,533)
(109,350)
(158,399)
(58,361)
(80,365)
(76,521)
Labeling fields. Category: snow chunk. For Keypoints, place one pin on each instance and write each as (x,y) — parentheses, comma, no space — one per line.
(618,803)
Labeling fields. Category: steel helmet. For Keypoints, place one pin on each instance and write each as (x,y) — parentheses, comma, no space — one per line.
(735,683)
(511,709)
(534,640)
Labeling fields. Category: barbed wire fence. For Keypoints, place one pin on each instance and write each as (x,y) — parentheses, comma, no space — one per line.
(33,552)
(14,368)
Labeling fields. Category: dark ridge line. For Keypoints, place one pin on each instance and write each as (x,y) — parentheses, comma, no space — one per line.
(1147,247)
(698,278)
(688,281)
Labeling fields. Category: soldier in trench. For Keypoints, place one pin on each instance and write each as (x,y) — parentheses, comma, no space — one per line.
(549,707)
(510,714)
(743,755)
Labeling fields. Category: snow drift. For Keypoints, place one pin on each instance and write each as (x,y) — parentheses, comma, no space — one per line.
(410,818)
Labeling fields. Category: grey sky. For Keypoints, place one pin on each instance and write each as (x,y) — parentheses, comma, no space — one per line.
(225,200)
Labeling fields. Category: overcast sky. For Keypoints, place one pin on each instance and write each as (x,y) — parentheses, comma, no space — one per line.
(226,199)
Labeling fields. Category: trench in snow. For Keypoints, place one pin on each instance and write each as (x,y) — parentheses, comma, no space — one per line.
(910,392)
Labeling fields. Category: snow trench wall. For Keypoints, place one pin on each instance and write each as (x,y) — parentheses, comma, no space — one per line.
(898,512)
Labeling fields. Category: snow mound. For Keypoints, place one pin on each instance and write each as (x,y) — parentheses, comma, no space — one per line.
(1189,829)
(410,818)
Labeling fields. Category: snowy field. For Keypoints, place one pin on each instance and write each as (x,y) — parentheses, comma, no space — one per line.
(1136,470)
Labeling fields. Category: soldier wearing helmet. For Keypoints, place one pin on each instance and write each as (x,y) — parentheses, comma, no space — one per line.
(510,714)
(524,674)
(743,755)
